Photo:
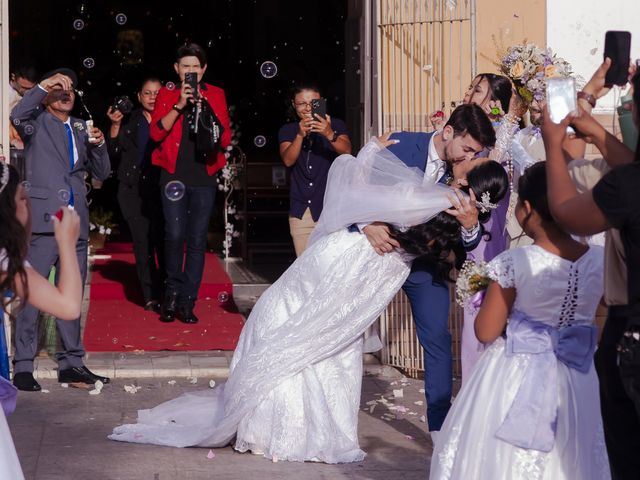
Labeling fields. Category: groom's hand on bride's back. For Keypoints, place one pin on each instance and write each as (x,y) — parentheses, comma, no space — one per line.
(380,237)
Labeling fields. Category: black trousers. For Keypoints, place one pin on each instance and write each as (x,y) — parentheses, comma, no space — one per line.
(142,210)
(619,416)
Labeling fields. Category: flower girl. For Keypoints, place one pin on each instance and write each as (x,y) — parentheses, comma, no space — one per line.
(531,408)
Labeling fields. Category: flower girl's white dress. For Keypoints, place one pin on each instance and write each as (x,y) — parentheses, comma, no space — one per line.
(525,415)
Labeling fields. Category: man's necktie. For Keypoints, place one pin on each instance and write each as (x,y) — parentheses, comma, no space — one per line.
(71,160)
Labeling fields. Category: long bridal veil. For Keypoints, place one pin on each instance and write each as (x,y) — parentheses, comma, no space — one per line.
(377,186)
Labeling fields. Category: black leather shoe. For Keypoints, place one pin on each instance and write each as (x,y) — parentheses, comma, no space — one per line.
(186,315)
(24,381)
(169,307)
(104,380)
(76,375)
(152,306)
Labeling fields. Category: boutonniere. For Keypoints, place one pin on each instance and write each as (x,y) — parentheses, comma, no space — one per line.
(78,126)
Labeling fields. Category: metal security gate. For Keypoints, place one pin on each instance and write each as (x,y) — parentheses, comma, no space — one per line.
(426,59)
(423,58)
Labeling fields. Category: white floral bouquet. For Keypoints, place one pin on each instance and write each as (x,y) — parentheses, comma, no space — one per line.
(472,282)
(528,66)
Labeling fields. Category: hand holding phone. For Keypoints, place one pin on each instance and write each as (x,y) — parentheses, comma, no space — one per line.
(319,107)
(617,46)
(191,79)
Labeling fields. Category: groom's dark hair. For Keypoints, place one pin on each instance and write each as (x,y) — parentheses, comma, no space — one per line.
(471,119)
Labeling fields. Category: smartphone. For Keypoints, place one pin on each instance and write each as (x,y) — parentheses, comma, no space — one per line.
(561,98)
(319,106)
(617,46)
(191,78)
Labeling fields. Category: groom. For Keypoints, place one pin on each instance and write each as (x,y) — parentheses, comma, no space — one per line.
(445,157)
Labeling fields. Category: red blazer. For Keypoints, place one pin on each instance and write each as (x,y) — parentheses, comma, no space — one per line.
(165,155)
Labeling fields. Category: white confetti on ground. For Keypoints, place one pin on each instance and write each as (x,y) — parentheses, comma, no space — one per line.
(192,380)
(398,393)
(97,388)
(421,390)
(64,385)
(211,455)
(419,402)
(171,382)
(44,390)
(423,419)
(212,383)
(131,389)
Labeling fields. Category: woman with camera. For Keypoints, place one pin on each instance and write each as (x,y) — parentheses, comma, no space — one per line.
(138,192)
(308,146)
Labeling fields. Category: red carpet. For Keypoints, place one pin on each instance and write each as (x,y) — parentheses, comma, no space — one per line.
(116,321)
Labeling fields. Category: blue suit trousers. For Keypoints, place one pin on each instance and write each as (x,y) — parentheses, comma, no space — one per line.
(430,307)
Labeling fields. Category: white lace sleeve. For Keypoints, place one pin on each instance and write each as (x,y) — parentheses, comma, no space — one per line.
(500,269)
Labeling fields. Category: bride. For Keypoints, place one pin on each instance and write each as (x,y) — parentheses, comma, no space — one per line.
(293,391)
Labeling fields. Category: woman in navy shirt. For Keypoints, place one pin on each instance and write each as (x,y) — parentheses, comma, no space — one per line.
(308,146)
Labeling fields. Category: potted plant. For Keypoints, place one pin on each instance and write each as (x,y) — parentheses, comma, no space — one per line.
(101,225)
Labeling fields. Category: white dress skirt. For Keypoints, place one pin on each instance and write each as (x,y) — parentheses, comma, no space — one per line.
(559,294)
(294,386)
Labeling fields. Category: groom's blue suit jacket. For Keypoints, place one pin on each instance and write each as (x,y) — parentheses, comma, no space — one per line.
(413,150)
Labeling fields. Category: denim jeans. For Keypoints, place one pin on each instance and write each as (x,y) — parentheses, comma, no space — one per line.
(186,221)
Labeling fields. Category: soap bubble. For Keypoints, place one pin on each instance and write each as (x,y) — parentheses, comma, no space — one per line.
(28,129)
(115,340)
(121,19)
(64,195)
(223,297)
(259,141)
(89,62)
(174,190)
(268,69)
(78,24)
(170,85)
(26,185)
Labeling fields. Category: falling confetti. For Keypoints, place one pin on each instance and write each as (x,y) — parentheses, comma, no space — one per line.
(211,455)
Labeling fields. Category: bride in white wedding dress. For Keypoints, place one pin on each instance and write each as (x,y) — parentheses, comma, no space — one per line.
(293,391)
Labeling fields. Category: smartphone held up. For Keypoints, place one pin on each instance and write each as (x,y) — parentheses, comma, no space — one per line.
(561,99)
(318,107)
(617,47)
(191,79)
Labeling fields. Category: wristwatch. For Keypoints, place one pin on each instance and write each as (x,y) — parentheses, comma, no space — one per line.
(335,137)
(587,97)
(176,108)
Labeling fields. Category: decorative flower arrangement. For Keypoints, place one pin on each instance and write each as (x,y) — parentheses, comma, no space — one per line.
(101,221)
(528,66)
(471,284)
(228,182)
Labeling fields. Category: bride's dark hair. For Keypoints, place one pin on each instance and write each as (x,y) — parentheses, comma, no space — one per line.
(438,240)
(13,240)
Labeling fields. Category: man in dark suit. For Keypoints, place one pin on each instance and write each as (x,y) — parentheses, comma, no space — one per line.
(59,149)
(445,157)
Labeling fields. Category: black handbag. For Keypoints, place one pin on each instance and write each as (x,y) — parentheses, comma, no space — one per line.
(206,127)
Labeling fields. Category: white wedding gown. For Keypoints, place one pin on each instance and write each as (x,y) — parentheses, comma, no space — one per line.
(294,384)
(559,294)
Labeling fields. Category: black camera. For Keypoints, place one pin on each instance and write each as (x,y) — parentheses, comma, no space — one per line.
(123,104)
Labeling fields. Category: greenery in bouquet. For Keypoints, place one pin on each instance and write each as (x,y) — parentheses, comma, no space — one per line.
(101,221)
(472,278)
(529,66)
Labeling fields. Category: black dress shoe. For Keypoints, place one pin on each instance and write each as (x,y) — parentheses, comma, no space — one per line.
(169,307)
(152,306)
(186,315)
(24,381)
(76,375)
(104,380)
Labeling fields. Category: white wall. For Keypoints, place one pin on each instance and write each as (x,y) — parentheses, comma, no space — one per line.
(576,29)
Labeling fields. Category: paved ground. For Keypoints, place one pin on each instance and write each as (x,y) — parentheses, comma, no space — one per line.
(62,435)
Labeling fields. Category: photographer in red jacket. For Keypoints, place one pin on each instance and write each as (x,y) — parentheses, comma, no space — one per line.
(191,127)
